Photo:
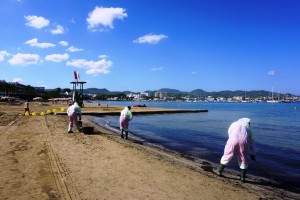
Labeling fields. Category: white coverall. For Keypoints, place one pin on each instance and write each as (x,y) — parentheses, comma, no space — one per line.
(240,138)
(73,112)
(125,117)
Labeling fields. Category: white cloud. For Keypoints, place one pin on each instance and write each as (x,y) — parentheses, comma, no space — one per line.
(2,54)
(57,57)
(103,56)
(34,43)
(59,30)
(18,80)
(194,73)
(24,59)
(104,17)
(80,63)
(74,49)
(150,38)
(92,67)
(64,43)
(157,69)
(36,22)
(271,73)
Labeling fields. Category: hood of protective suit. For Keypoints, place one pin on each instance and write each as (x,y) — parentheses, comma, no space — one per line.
(77,107)
(126,113)
(245,122)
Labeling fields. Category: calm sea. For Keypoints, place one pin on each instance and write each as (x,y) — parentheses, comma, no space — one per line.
(204,135)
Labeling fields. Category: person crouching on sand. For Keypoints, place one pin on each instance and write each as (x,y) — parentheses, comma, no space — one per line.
(73,112)
(240,138)
(125,117)
(26,107)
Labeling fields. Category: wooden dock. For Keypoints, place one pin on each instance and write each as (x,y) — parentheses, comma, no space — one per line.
(139,112)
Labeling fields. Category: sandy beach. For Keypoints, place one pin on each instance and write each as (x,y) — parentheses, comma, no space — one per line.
(40,160)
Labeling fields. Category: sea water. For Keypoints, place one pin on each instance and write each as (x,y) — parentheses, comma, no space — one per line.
(276,127)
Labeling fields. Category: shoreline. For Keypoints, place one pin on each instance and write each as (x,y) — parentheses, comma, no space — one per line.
(40,160)
(194,161)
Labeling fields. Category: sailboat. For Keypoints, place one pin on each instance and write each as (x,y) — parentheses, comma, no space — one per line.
(245,99)
(272,100)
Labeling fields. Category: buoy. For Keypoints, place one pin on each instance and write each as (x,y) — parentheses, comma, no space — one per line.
(42,113)
(34,114)
(48,111)
(62,109)
(26,113)
(54,110)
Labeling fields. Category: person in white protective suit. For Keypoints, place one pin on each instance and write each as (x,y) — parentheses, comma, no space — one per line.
(73,112)
(240,140)
(125,117)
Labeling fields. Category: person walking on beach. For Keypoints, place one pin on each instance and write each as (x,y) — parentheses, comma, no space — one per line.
(240,138)
(125,117)
(26,107)
(73,112)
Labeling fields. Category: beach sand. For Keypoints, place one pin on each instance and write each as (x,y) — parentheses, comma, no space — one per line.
(40,160)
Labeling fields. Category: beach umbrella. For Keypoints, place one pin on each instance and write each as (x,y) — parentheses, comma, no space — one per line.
(37,98)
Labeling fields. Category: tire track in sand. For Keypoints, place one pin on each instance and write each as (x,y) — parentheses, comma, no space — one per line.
(4,129)
(60,173)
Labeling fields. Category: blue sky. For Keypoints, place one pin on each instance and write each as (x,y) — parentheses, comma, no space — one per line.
(147,45)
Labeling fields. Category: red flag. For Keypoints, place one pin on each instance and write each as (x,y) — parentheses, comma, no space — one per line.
(76,75)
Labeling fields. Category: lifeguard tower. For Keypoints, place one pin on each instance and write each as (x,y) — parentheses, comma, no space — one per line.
(78,92)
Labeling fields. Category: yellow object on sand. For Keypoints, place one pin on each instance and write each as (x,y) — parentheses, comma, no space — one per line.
(62,109)
(54,110)
(34,114)
(42,113)
(27,114)
(49,111)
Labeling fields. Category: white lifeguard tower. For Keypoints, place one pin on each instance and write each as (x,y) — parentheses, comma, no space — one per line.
(78,92)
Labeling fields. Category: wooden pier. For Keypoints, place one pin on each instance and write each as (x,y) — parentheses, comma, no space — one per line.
(139,112)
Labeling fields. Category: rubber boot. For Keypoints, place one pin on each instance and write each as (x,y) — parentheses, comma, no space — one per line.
(122,136)
(80,123)
(219,169)
(243,175)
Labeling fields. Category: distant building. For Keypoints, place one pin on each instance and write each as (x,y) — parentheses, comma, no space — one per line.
(144,95)
(161,95)
(210,98)
(133,96)
(237,98)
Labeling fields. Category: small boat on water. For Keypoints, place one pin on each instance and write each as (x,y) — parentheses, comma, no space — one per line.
(139,105)
(273,100)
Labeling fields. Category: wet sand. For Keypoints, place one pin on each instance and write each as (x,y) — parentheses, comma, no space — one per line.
(40,160)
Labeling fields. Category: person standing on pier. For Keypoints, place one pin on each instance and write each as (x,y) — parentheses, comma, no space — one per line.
(240,138)
(125,117)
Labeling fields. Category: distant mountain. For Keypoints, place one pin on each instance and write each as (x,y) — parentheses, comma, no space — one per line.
(167,90)
(96,91)
(197,92)
(171,91)
(229,93)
